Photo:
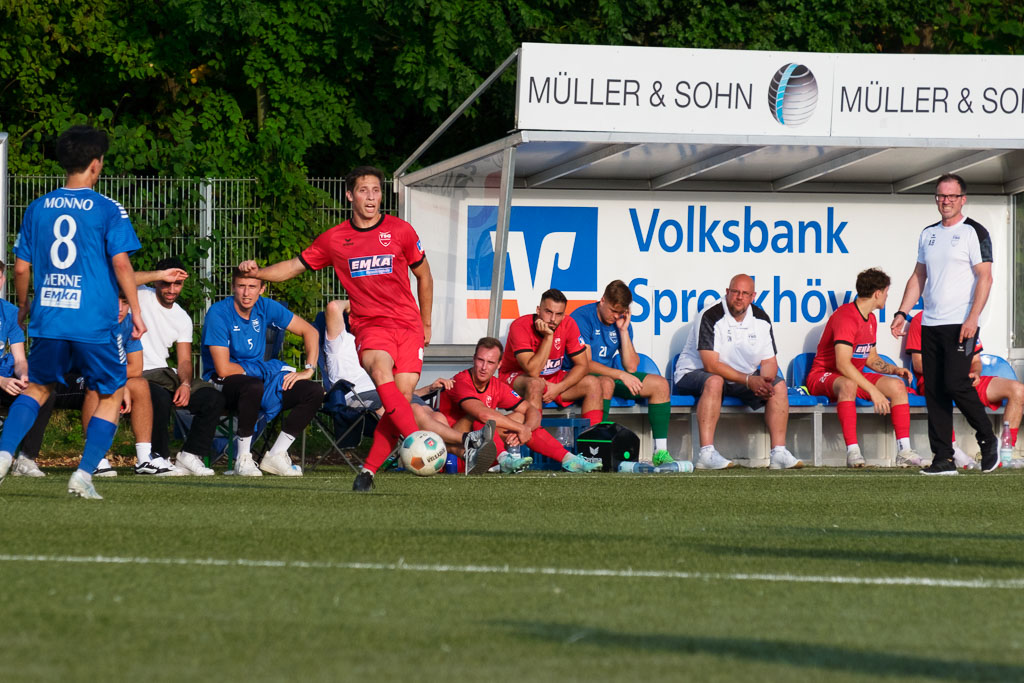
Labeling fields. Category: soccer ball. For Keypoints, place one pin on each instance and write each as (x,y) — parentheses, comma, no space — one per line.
(423,453)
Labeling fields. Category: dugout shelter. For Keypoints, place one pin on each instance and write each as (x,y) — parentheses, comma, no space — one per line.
(673,169)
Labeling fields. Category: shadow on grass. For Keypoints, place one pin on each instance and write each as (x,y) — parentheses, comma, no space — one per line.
(906,534)
(823,657)
(951,558)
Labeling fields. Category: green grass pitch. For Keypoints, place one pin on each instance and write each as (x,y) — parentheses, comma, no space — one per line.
(713,576)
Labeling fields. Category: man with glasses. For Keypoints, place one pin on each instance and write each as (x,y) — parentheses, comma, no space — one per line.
(730,351)
(606,330)
(954,276)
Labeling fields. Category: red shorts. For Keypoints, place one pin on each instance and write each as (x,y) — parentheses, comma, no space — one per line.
(404,345)
(983,393)
(822,384)
(981,388)
(554,378)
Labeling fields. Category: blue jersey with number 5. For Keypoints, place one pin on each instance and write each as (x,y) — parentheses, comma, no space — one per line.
(69,237)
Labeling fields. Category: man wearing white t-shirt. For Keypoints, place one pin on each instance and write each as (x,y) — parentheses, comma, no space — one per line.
(723,352)
(954,276)
(169,388)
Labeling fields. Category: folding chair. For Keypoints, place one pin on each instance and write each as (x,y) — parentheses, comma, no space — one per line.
(343,425)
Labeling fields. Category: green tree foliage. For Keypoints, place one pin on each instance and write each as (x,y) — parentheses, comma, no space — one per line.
(280,90)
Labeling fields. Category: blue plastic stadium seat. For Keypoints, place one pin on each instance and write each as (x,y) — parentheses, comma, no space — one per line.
(996,366)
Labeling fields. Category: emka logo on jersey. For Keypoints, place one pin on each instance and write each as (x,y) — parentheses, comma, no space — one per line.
(370,265)
(862,350)
(548,247)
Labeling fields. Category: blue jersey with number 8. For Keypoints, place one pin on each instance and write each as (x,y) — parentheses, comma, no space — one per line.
(69,237)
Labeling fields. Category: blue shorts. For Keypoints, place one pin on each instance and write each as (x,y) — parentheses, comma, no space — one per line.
(692,384)
(104,366)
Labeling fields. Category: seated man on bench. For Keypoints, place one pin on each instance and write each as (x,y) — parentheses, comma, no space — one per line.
(721,358)
(234,342)
(847,345)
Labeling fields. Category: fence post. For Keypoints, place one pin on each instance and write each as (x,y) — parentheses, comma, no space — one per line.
(206,233)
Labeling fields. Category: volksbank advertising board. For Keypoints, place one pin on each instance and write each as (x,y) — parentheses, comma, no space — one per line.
(677,252)
(732,92)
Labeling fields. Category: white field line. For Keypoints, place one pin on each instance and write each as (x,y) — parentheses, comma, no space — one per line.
(401,565)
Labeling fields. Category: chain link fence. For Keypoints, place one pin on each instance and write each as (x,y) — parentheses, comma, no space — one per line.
(208,223)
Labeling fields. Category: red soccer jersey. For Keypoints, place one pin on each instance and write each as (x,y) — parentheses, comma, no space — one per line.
(496,395)
(373,265)
(846,326)
(523,337)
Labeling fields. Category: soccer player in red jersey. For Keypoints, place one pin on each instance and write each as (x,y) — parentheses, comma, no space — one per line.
(534,360)
(475,398)
(847,345)
(372,254)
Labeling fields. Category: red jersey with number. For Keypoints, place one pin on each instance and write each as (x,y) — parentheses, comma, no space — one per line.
(497,395)
(522,336)
(846,326)
(373,265)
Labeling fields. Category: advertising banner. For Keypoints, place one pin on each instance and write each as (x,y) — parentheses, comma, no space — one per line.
(678,251)
(734,92)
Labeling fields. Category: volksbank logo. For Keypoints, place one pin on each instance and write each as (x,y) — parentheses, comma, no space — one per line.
(792,94)
(548,246)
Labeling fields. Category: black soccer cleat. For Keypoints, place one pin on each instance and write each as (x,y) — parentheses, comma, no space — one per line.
(941,467)
(990,461)
(363,482)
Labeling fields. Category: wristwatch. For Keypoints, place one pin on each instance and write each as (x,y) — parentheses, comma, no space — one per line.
(307,366)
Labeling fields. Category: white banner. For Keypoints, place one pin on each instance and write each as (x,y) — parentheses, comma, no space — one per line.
(734,92)
(677,252)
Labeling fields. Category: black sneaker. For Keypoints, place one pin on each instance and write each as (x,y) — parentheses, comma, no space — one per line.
(946,467)
(990,461)
(363,482)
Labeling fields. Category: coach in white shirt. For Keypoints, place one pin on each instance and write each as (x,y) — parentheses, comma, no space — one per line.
(954,275)
(169,325)
(721,358)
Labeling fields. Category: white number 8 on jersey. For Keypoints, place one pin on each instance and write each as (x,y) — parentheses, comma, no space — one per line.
(65,239)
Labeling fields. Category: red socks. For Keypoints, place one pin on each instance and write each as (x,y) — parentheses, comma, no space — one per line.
(547,445)
(396,406)
(595,416)
(847,413)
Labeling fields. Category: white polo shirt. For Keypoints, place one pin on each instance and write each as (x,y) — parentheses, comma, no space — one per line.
(950,254)
(164,328)
(741,344)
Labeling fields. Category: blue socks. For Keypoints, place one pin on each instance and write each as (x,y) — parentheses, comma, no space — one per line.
(98,438)
(20,418)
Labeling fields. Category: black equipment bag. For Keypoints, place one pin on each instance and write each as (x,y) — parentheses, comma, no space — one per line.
(611,442)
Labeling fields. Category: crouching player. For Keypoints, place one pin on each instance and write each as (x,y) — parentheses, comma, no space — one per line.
(477,395)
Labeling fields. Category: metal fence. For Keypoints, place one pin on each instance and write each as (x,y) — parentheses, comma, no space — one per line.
(179,213)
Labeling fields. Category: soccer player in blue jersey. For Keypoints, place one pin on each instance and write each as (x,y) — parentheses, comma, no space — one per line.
(76,244)
(606,330)
(234,342)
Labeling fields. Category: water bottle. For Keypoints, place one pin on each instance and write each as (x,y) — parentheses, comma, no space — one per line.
(675,466)
(1006,446)
(514,451)
(636,467)
(565,437)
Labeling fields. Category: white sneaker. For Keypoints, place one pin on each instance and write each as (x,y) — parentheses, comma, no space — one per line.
(964,461)
(192,465)
(79,486)
(104,469)
(164,468)
(782,459)
(854,458)
(909,458)
(245,467)
(26,467)
(5,465)
(280,464)
(712,460)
